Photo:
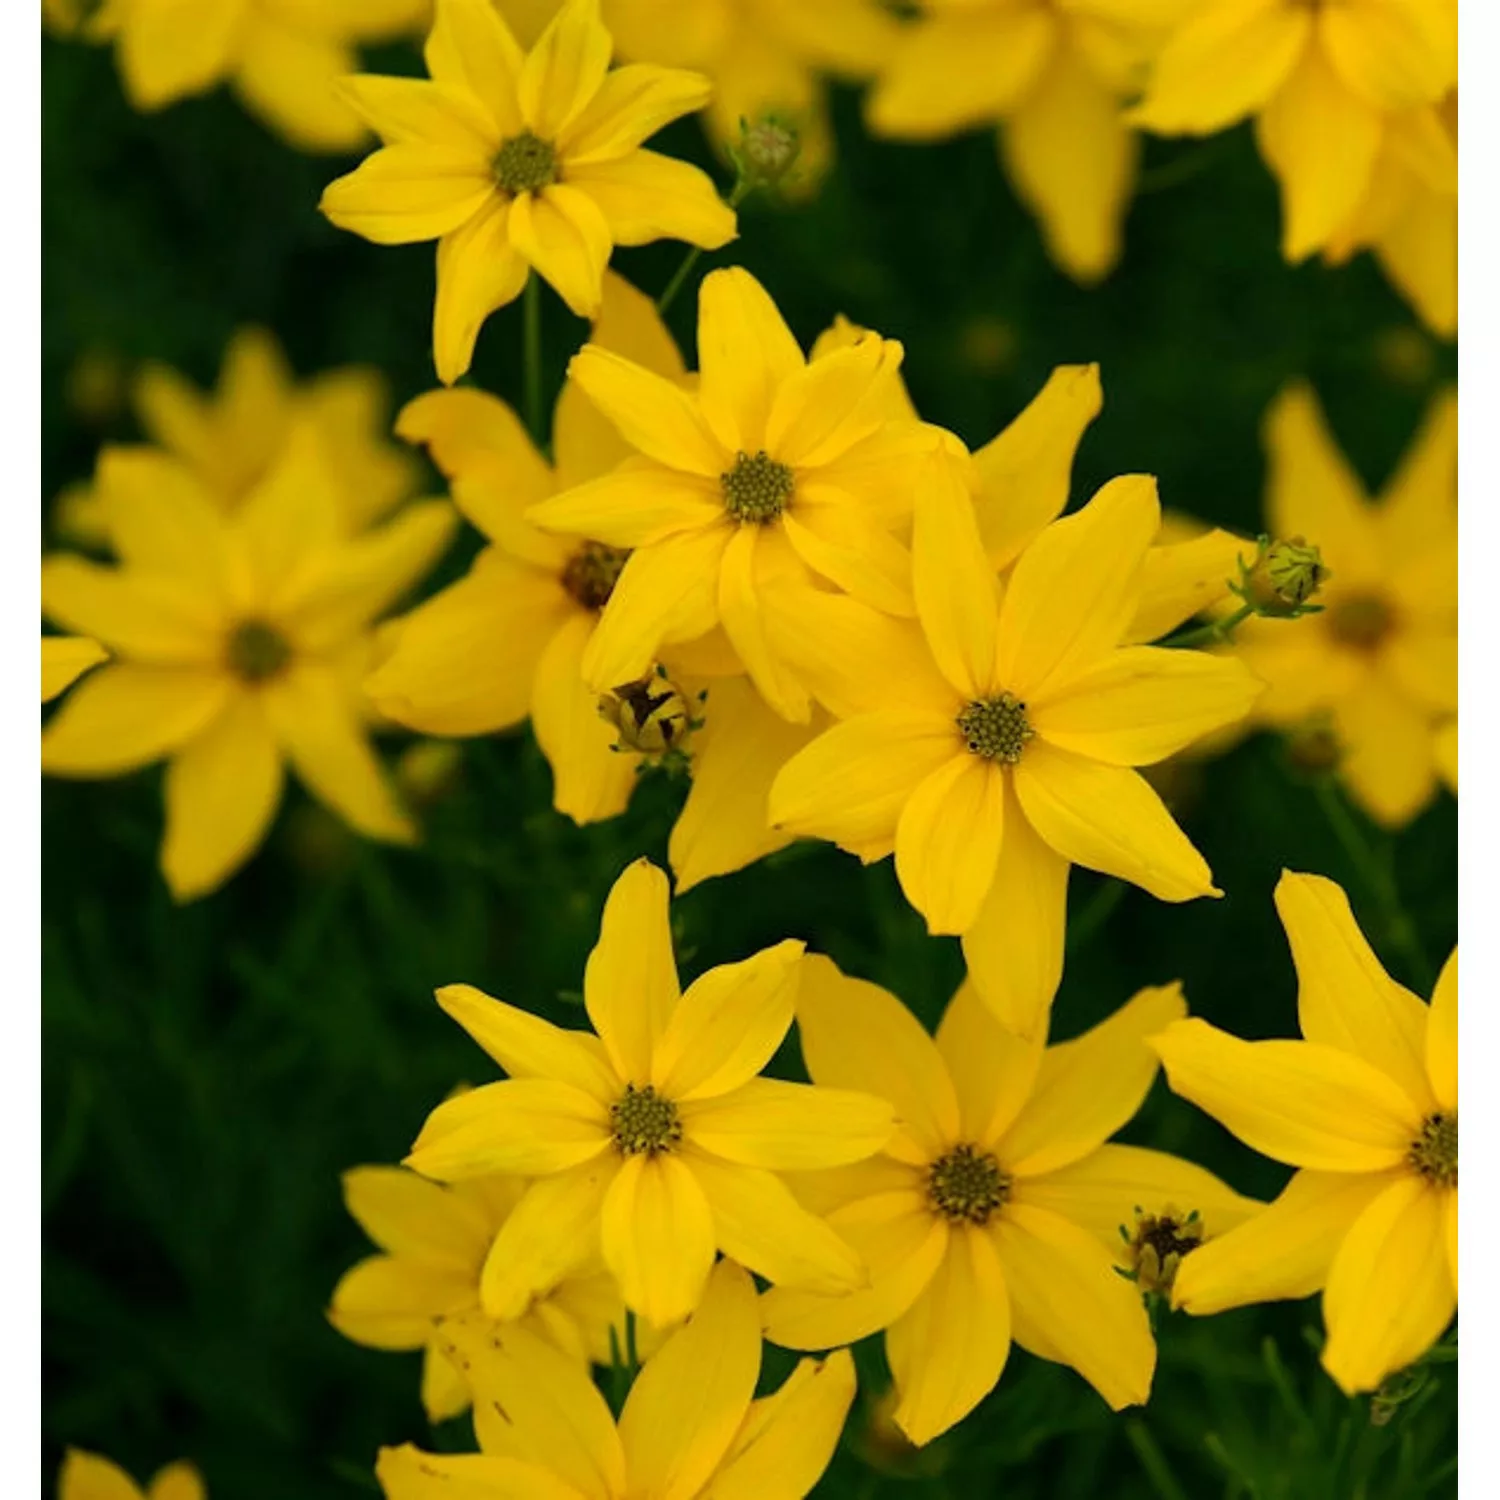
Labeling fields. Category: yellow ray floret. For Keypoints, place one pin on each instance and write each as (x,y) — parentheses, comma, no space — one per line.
(87,1476)
(65,658)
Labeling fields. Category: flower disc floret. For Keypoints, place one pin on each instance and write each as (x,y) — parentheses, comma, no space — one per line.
(757,489)
(1361,621)
(526,164)
(1434,1153)
(967,1185)
(257,652)
(643,1123)
(591,573)
(996,728)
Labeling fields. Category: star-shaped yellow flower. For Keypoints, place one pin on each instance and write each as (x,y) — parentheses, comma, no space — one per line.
(655,1142)
(517,162)
(87,1476)
(239,642)
(1366,1108)
(995,1211)
(691,1428)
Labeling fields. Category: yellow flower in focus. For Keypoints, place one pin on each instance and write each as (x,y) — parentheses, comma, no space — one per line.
(87,1476)
(995,1211)
(776,473)
(1366,1109)
(281,57)
(239,642)
(65,658)
(655,1142)
(1010,753)
(690,1428)
(1329,85)
(435,1241)
(517,162)
(1381,660)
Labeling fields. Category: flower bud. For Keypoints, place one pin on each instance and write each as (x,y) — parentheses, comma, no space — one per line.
(767,151)
(1154,1249)
(1284,577)
(651,714)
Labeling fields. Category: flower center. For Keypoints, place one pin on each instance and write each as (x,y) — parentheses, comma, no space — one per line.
(967,1185)
(1434,1153)
(757,489)
(257,651)
(996,728)
(592,572)
(1361,621)
(525,163)
(1158,1245)
(643,1122)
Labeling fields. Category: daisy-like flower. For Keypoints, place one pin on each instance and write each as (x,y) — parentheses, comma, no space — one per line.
(994,1213)
(435,1240)
(1009,754)
(1327,85)
(518,162)
(65,658)
(281,57)
(239,643)
(654,1142)
(776,468)
(1380,661)
(691,1428)
(87,1476)
(1366,1108)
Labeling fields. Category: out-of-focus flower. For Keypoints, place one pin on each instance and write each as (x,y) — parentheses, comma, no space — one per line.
(87,1476)
(65,658)
(1445,752)
(1366,1108)
(523,161)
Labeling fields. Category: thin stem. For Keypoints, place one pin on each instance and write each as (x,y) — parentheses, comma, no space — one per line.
(1153,1461)
(737,196)
(1212,633)
(531,350)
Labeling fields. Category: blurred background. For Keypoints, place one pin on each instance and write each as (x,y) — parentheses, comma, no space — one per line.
(210,1070)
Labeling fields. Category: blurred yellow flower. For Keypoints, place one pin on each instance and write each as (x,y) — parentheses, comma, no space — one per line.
(239,642)
(1008,754)
(658,1143)
(87,1476)
(65,658)
(1381,660)
(522,161)
(281,57)
(1366,1108)
(435,1241)
(1445,753)
(690,1428)
(995,1211)
(1330,87)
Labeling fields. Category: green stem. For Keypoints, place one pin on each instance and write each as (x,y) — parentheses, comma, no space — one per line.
(531,350)
(1153,1461)
(1212,633)
(737,196)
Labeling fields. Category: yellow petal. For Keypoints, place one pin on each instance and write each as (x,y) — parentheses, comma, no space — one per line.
(1387,743)
(646,196)
(148,619)
(1068,1304)
(290,523)
(1299,1102)
(563,71)
(479,268)
(948,842)
(64,660)
(416,110)
(1423,664)
(1445,753)
(658,1236)
(1394,56)
(563,236)
(174,49)
(992,1068)
(743,618)
(833,534)
(1182,579)
(180,1481)
(534,1126)
(409,192)
(471,50)
(745,351)
(443,1391)
(409,1217)
(1441,1043)
(822,410)
(1390,1294)
(174,414)
(630,984)
(631,104)
(406,1473)
(385,1302)
(289,77)
(788,1126)
(87,1476)
(640,502)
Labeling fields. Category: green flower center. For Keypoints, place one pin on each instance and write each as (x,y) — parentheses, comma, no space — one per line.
(1361,621)
(1434,1153)
(592,572)
(967,1185)
(757,489)
(257,651)
(643,1122)
(526,163)
(996,728)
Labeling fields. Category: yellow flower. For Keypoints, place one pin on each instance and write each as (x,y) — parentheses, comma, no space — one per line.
(86,1476)
(65,658)
(1054,75)
(239,645)
(1381,660)
(517,162)
(231,439)
(435,1241)
(775,471)
(659,1143)
(1328,85)
(995,1211)
(1366,1108)
(690,1429)
(1008,755)
(282,57)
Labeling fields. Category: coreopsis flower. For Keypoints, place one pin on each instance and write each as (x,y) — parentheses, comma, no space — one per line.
(87,1476)
(1379,663)
(1008,754)
(776,471)
(1329,86)
(1366,1109)
(239,642)
(994,1213)
(519,162)
(1054,78)
(281,57)
(654,1142)
(691,1428)
(65,658)
(435,1240)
